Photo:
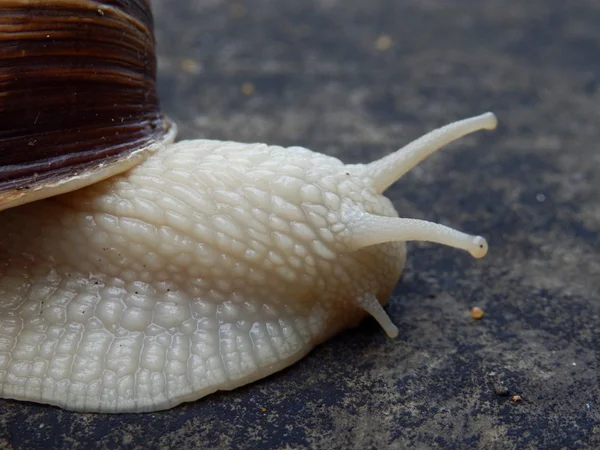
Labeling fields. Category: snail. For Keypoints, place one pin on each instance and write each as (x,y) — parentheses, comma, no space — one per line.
(137,273)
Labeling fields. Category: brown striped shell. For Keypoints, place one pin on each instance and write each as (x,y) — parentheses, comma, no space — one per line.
(78,100)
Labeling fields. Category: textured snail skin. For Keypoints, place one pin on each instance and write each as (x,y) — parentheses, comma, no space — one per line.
(210,265)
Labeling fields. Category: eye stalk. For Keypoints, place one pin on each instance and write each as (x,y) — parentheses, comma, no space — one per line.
(369,229)
(389,169)
(365,229)
(479,248)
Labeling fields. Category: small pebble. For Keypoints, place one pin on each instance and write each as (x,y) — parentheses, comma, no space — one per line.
(190,66)
(383,42)
(247,89)
(516,398)
(477,313)
(237,10)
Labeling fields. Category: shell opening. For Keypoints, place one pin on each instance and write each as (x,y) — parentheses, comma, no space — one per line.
(390,168)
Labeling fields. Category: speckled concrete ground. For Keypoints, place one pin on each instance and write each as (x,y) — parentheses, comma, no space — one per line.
(357,79)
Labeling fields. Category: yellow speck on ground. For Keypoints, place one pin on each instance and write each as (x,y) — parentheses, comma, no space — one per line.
(263,409)
(477,313)
(383,42)
(517,398)
(237,10)
(189,65)
(247,89)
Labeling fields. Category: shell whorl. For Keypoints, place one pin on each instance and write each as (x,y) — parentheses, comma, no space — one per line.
(79,100)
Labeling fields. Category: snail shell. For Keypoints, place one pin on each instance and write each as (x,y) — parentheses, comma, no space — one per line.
(79,101)
(203,267)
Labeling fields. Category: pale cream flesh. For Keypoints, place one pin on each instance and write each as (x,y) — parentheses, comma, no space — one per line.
(210,265)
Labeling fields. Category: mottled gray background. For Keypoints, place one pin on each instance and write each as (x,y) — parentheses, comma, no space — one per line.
(318,73)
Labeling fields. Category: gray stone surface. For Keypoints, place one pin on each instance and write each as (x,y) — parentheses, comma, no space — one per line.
(532,187)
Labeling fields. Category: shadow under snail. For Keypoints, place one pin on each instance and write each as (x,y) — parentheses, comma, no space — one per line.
(137,273)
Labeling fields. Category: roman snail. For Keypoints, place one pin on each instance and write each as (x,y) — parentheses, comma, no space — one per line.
(137,273)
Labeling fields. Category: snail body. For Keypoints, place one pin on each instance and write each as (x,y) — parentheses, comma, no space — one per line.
(204,267)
